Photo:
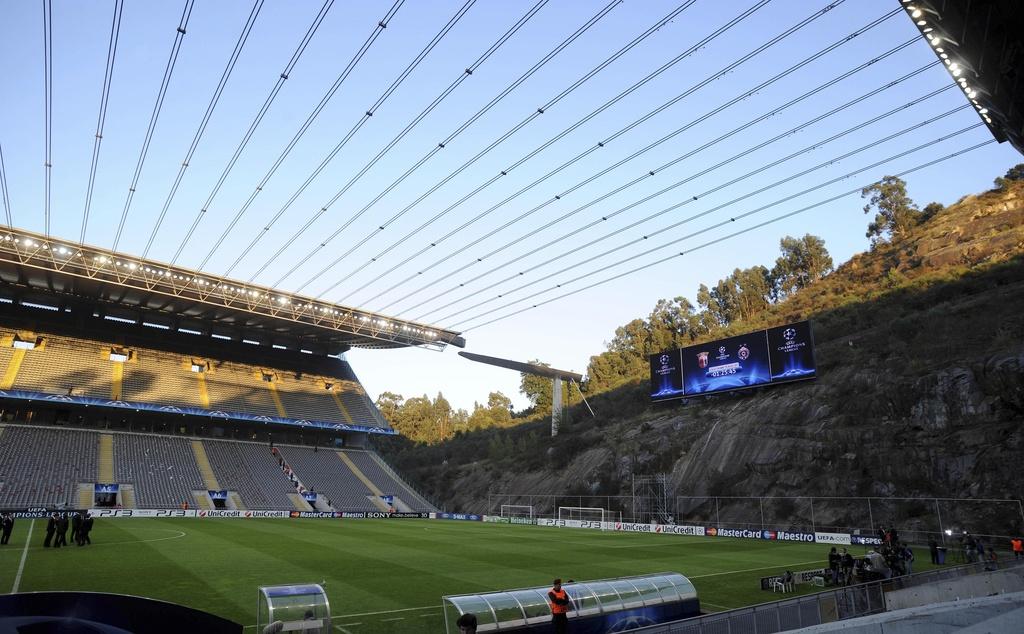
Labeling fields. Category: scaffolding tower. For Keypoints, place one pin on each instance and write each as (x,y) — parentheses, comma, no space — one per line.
(651,499)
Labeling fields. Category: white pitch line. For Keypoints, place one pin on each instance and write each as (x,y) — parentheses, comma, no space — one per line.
(179,535)
(715,605)
(24,554)
(733,572)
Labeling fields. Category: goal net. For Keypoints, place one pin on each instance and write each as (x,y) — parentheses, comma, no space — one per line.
(589,514)
(517,510)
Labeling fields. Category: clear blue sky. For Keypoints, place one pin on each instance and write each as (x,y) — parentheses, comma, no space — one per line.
(563,333)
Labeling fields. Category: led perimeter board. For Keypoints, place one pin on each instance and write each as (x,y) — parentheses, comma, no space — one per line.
(775,355)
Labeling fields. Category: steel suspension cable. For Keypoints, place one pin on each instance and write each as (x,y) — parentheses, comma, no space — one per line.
(657,170)
(509,133)
(101,118)
(728,237)
(48,106)
(154,117)
(608,216)
(218,91)
(503,173)
(359,124)
(283,77)
(440,146)
(3,190)
(704,194)
(604,142)
(465,74)
(732,218)
(377,30)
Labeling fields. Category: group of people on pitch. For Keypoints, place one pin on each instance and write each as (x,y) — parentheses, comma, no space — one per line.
(57,529)
(558,599)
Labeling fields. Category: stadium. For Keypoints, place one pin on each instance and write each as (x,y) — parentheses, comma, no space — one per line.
(185,440)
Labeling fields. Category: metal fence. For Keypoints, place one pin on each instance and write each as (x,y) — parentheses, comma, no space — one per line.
(814,609)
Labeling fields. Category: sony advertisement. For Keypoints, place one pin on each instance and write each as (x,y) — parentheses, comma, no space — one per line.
(775,355)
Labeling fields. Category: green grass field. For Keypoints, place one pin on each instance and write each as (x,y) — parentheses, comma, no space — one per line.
(381,575)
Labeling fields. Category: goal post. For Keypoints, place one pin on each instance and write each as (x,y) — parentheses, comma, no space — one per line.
(592,514)
(517,510)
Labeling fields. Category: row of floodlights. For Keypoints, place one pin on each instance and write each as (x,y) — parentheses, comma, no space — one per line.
(132,266)
(955,68)
(30,243)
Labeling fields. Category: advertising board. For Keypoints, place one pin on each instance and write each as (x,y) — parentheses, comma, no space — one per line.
(775,355)
(839,539)
(467,517)
(666,375)
(726,364)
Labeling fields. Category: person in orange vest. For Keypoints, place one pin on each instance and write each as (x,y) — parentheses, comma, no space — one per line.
(1018,548)
(559,607)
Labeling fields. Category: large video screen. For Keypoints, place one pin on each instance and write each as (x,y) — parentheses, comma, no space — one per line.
(666,376)
(791,352)
(726,364)
(775,355)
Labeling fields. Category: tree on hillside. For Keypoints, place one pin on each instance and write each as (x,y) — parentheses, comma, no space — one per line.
(634,337)
(740,296)
(421,419)
(497,413)
(389,404)
(1015,173)
(803,261)
(895,212)
(673,323)
(930,210)
(611,369)
(538,390)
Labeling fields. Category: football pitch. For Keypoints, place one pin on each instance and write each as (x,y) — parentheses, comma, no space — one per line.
(380,575)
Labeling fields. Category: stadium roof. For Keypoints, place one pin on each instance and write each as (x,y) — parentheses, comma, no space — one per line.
(980,44)
(38,270)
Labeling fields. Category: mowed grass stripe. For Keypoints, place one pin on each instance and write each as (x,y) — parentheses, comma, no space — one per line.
(374,567)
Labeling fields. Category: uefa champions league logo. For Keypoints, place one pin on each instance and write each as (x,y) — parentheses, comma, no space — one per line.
(721,350)
(664,359)
(789,334)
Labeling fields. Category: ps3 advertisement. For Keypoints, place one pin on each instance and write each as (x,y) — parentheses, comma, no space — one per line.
(776,355)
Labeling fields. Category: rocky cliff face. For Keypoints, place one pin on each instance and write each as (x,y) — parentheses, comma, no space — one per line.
(921,394)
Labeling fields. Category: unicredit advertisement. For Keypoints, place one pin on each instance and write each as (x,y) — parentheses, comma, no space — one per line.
(666,376)
(775,355)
